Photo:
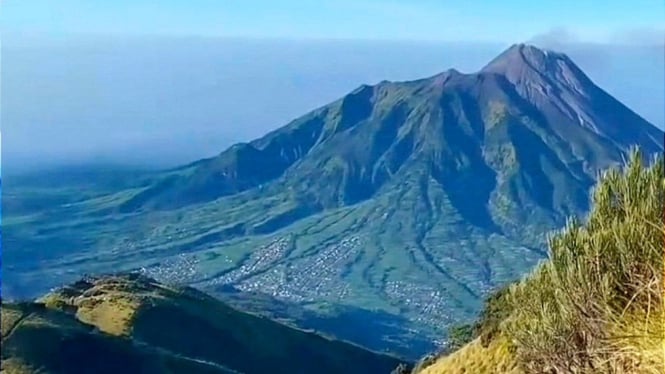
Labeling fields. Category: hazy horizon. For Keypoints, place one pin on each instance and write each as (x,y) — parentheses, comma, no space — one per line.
(168,82)
(163,101)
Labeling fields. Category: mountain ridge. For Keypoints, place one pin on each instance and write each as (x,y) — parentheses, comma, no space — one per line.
(151,324)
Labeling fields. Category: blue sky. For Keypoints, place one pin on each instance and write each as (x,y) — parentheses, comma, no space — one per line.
(177,100)
(500,21)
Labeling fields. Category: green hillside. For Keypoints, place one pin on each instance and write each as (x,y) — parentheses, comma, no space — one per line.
(131,324)
(36,339)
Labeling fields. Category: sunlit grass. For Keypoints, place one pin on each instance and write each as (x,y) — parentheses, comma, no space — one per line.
(596,306)
(476,359)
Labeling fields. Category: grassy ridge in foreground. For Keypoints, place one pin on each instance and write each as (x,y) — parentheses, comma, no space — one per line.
(36,339)
(148,327)
(596,306)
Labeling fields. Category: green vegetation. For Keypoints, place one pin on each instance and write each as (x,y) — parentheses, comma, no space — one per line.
(154,326)
(459,336)
(596,305)
(603,277)
(45,341)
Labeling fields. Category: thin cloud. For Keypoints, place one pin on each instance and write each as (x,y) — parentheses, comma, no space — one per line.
(641,36)
(583,52)
(554,38)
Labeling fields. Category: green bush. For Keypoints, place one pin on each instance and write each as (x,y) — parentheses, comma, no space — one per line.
(496,310)
(458,336)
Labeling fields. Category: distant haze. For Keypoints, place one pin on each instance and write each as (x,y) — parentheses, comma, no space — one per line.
(165,101)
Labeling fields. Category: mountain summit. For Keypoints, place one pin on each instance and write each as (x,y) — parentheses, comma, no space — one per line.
(530,122)
(548,78)
(520,56)
(533,70)
(412,198)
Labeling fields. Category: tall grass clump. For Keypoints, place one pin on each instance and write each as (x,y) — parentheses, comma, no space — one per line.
(596,306)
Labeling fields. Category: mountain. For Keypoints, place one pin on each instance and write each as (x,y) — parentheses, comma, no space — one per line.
(131,324)
(407,199)
(364,140)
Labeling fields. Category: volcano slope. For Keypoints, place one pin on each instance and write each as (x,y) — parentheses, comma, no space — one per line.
(403,199)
